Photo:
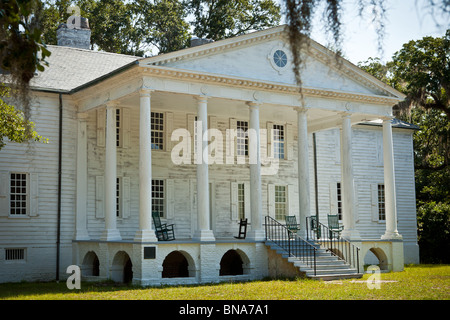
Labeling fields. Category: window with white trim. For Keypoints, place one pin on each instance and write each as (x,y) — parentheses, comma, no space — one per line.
(280,202)
(381,203)
(242,138)
(157,127)
(18,194)
(278,141)
(158,197)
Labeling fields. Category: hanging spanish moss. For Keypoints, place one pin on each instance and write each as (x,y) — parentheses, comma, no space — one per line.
(299,18)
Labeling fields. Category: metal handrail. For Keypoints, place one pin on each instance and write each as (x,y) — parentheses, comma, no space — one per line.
(332,242)
(290,242)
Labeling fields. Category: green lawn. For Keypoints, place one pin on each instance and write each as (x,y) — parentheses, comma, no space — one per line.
(430,282)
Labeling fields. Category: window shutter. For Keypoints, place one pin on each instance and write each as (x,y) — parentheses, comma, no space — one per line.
(101,123)
(231,141)
(191,128)
(333,198)
(125,197)
(126,128)
(269,139)
(291,200)
(234,201)
(170,199)
(34,195)
(374,201)
(4,194)
(271,200)
(289,143)
(99,196)
(168,130)
(248,212)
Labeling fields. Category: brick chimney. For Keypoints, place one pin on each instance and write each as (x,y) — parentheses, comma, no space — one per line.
(75,33)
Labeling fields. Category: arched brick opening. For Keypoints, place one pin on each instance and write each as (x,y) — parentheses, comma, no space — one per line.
(231,264)
(175,265)
(90,265)
(122,268)
(380,255)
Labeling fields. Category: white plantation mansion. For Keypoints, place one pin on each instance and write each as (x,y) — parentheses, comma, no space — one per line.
(197,140)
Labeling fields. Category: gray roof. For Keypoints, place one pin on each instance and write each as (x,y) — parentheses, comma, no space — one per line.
(396,123)
(70,68)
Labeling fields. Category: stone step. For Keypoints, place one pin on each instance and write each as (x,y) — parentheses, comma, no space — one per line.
(328,266)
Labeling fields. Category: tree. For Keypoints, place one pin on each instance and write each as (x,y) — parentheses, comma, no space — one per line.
(13,125)
(220,19)
(424,66)
(22,50)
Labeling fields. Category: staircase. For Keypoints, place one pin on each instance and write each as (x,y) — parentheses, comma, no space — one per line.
(327,265)
(315,258)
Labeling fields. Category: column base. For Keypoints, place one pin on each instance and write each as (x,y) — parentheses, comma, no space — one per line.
(391,236)
(145,236)
(204,235)
(351,235)
(256,235)
(111,235)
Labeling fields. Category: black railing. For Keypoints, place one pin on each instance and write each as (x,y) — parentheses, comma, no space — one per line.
(291,243)
(332,242)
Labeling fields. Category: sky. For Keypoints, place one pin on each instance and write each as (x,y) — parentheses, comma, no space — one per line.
(405,20)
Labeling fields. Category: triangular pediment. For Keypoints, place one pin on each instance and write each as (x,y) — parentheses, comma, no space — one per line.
(265,56)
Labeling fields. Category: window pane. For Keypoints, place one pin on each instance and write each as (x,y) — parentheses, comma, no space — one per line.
(18,194)
(157,126)
(158,197)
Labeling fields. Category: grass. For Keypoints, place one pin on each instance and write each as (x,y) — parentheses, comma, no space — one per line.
(416,282)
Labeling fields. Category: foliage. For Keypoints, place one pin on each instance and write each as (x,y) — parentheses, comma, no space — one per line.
(13,125)
(22,50)
(424,68)
(219,19)
(135,27)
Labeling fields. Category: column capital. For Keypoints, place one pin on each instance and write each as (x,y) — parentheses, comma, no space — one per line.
(345,115)
(82,116)
(145,92)
(201,98)
(112,104)
(387,119)
(253,104)
(301,109)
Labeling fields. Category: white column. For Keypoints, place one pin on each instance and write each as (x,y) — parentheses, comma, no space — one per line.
(145,232)
(347,184)
(257,232)
(82,186)
(303,170)
(203,232)
(110,232)
(389,183)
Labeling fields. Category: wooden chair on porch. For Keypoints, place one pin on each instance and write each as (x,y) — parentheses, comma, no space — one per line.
(291,224)
(315,227)
(242,229)
(164,232)
(333,225)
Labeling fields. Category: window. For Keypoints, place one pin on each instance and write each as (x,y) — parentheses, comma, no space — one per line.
(381,203)
(242,138)
(278,141)
(157,126)
(280,202)
(158,197)
(241,201)
(19,194)
(339,200)
(280,58)
(118,192)
(118,127)
(14,254)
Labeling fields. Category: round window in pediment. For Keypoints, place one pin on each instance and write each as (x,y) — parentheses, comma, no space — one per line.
(280,58)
